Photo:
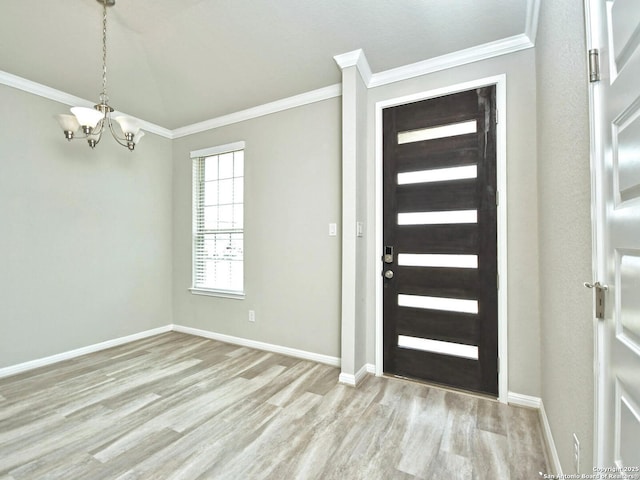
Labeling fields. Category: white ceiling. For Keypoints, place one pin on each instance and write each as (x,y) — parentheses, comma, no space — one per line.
(178,62)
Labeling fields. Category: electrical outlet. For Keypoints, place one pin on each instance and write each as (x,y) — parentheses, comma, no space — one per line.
(576,453)
(252,315)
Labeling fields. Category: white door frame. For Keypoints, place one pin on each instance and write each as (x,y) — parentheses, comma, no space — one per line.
(598,255)
(500,81)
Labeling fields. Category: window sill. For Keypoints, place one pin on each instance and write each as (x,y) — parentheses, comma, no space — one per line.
(216,293)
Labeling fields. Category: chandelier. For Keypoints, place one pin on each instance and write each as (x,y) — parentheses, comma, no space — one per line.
(91,123)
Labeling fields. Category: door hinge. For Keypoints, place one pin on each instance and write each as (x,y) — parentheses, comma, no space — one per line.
(498,364)
(594,65)
(497,198)
(496,116)
(497,281)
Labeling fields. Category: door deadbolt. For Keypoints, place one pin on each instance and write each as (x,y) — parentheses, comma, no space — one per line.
(388,254)
(388,274)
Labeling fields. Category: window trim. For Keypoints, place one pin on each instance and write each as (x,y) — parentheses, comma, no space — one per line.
(199,290)
(217,293)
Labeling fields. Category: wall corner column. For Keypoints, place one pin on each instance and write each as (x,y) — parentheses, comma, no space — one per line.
(355,77)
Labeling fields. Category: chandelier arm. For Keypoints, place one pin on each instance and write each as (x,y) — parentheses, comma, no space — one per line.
(122,141)
(99,128)
(115,134)
(79,135)
(91,138)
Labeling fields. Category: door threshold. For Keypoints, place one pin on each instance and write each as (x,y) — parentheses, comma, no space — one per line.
(445,388)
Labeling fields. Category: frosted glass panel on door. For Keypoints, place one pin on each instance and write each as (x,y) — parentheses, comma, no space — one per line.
(437,346)
(438,303)
(437,260)
(438,218)
(438,175)
(433,133)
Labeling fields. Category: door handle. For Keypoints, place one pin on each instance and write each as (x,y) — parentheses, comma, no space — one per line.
(599,290)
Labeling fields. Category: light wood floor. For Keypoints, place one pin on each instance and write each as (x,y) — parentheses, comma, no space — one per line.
(177,406)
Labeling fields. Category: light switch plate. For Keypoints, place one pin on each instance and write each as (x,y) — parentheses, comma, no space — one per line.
(333,229)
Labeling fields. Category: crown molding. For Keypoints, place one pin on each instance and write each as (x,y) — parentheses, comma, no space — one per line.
(455,59)
(307,98)
(355,58)
(531,24)
(59,96)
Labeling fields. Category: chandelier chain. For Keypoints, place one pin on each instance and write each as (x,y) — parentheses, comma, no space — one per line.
(104,51)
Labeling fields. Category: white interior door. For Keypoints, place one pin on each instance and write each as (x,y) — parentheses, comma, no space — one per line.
(613,27)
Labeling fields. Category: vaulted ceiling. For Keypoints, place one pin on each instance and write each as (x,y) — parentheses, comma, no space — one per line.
(178,62)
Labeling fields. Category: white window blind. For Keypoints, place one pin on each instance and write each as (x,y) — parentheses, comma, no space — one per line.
(218,219)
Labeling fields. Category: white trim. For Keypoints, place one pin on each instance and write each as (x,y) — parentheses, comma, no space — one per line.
(531,23)
(245,342)
(595,38)
(354,380)
(229,147)
(501,165)
(42,362)
(355,58)
(67,99)
(552,452)
(292,352)
(348,59)
(216,293)
(503,245)
(527,401)
(306,98)
(451,60)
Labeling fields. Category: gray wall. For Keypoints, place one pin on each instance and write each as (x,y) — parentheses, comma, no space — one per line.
(90,236)
(96,244)
(86,235)
(522,232)
(283,316)
(293,191)
(292,265)
(565,229)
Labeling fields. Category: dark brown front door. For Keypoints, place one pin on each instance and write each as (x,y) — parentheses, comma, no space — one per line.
(440,241)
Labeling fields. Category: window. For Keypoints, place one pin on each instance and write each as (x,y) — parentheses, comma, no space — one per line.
(218,234)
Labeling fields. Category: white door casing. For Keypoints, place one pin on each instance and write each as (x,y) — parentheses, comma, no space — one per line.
(613,28)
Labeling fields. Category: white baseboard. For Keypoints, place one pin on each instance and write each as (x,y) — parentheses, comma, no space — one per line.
(42,362)
(528,401)
(354,380)
(292,352)
(520,400)
(244,342)
(552,453)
